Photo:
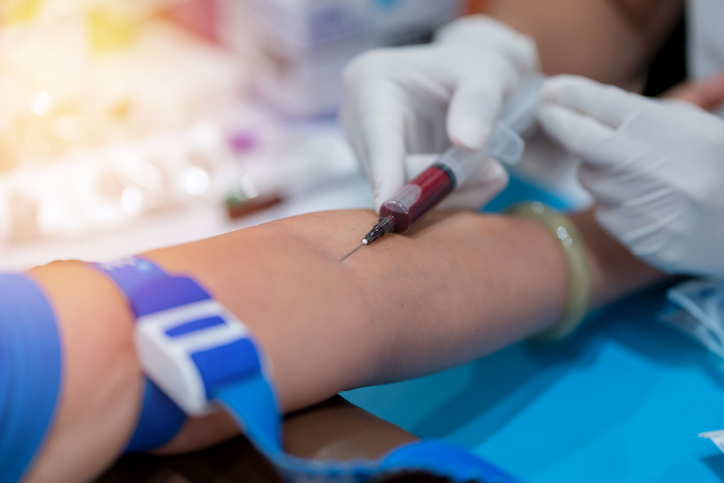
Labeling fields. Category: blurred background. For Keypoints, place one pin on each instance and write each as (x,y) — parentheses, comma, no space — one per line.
(127,125)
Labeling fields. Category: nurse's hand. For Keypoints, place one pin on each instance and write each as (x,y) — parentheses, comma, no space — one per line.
(656,169)
(416,100)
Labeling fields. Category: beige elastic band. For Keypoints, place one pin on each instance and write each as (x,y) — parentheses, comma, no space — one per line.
(578,270)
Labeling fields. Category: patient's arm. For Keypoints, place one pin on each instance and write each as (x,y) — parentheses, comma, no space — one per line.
(459,286)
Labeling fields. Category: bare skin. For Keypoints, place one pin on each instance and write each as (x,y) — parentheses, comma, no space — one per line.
(408,305)
(611,41)
(706,93)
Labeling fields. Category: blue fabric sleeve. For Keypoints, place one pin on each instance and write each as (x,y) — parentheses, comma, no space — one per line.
(30,373)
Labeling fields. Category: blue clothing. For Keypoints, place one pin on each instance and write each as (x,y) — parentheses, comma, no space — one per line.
(30,373)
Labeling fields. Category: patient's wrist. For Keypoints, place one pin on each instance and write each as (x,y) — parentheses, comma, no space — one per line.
(578,273)
(615,272)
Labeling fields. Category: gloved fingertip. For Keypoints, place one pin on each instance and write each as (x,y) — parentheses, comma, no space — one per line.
(483,189)
(550,92)
(494,174)
(470,134)
(548,116)
(377,197)
(556,89)
(558,118)
(417,163)
(381,194)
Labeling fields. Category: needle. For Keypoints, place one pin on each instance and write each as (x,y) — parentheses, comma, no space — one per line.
(364,242)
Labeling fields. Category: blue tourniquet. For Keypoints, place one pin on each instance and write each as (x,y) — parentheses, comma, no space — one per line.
(196,350)
(160,417)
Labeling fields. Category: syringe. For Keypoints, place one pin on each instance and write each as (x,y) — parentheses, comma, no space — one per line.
(455,166)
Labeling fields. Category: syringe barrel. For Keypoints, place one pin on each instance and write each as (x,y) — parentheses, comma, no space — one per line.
(453,168)
(418,196)
(504,144)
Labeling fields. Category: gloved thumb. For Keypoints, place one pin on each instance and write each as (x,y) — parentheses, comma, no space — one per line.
(576,132)
(386,145)
(473,110)
(607,104)
(590,119)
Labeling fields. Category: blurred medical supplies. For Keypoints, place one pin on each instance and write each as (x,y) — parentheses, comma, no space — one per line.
(199,16)
(104,189)
(108,113)
(697,309)
(294,165)
(100,189)
(716,437)
(305,44)
(59,96)
(112,113)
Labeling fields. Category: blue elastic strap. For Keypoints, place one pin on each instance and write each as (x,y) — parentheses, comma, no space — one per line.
(250,398)
(165,293)
(441,458)
(251,401)
(253,404)
(233,375)
(159,421)
(130,274)
(160,418)
(30,373)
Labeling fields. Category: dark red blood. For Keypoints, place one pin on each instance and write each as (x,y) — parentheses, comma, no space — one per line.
(435,185)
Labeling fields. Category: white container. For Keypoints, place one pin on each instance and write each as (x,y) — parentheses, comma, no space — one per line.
(300,47)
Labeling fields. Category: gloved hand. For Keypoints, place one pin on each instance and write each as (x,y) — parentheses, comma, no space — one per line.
(415,100)
(656,169)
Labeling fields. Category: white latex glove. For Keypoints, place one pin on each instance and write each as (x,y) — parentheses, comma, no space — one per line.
(416,100)
(656,169)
